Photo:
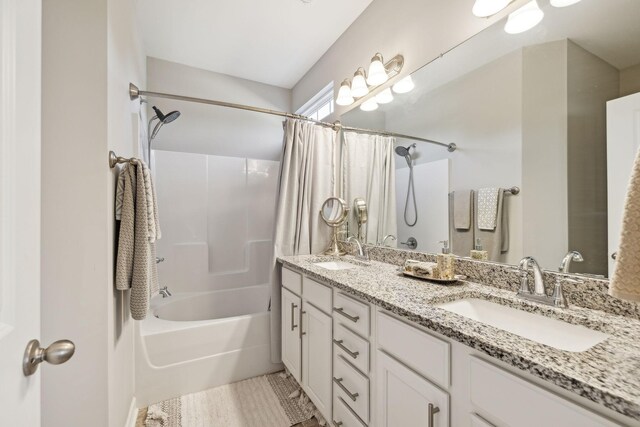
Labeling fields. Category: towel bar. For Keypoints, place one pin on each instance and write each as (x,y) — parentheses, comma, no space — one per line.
(513,190)
(114,160)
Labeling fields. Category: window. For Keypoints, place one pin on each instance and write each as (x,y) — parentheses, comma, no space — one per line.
(320,106)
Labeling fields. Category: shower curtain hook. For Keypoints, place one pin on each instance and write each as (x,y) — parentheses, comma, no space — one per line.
(337,125)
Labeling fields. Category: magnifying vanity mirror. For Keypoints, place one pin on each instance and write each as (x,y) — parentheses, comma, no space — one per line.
(334,213)
(550,111)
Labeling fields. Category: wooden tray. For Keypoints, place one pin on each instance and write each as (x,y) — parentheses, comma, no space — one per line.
(456,279)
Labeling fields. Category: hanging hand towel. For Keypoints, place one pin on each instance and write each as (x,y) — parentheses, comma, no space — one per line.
(626,276)
(135,260)
(496,241)
(488,208)
(462,209)
(461,240)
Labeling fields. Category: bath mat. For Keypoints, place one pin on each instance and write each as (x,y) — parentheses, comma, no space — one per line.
(271,400)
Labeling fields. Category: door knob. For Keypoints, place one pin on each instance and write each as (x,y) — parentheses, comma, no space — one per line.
(57,353)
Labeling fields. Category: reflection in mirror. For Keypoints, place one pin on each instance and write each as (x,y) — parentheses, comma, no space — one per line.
(334,213)
(360,212)
(549,111)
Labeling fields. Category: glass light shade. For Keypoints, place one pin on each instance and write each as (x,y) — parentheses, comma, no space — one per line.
(344,94)
(359,85)
(484,8)
(563,3)
(403,86)
(525,18)
(384,97)
(377,74)
(369,105)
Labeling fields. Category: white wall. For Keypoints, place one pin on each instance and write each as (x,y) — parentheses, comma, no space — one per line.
(217,130)
(217,217)
(90,52)
(419,29)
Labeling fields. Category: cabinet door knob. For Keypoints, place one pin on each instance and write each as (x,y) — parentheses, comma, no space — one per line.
(352,396)
(340,310)
(293,316)
(339,343)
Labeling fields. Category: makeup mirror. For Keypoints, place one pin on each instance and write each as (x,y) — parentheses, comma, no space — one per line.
(334,213)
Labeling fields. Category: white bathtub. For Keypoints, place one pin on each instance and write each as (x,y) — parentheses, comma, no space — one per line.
(194,341)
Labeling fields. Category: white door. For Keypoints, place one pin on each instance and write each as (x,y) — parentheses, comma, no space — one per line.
(19,207)
(316,357)
(404,398)
(623,141)
(291,344)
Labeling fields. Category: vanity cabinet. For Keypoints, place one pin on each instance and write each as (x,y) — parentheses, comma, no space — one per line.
(291,349)
(316,356)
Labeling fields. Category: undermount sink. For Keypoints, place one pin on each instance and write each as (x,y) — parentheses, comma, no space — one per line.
(544,330)
(335,265)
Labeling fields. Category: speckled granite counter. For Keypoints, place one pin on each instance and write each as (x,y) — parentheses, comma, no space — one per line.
(608,373)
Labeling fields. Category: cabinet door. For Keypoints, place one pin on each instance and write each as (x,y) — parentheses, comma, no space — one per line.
(316,357)
(404,398)
(291,347)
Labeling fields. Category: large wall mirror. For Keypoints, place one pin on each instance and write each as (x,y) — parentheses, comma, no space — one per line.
(554,111)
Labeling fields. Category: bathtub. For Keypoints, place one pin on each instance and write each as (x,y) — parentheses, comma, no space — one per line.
(193,341)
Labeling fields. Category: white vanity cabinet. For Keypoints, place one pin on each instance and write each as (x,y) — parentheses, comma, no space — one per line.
(316,357)
(291,349)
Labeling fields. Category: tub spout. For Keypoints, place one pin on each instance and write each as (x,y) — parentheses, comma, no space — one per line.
(165,292)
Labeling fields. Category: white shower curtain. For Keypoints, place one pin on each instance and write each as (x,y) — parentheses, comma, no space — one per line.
(308,176)
(370,173)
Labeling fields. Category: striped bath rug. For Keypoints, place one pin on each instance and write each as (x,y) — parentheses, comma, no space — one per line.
(273,400)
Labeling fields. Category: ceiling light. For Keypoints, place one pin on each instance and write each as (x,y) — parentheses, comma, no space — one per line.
(344,94)
(384,97)
(369,105)
(359,85)
(525,18)
(485,8)
(403,86)
(563,3)
(377,74)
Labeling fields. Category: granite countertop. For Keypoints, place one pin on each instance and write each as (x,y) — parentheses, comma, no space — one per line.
(608,373)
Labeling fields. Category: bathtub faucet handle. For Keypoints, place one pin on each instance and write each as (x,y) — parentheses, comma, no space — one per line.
(165,292)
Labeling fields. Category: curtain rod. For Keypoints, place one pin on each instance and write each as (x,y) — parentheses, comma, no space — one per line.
(135,93)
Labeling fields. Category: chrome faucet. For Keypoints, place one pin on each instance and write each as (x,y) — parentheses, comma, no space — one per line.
(388,236)
(538,293)
(165,292)
(573,256)
(362,252)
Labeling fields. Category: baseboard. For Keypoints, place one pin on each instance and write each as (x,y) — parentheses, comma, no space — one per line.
(133,414)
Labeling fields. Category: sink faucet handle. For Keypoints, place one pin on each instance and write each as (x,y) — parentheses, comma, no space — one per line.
(558,297)
(524,280)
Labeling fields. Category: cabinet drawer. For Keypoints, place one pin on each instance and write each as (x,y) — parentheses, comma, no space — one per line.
(352,387)
(424,353)
(352,314)
(343,416)
(317,294)
(351,347)
(292,280)
(504,398)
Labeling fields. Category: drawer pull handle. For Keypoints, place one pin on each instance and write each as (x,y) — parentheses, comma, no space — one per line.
(341,311)
(337,423)
(293,316)
(352,396)
(302,333)
(353,354)
(432,411)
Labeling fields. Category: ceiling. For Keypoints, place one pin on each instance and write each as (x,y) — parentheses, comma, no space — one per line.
(268,41)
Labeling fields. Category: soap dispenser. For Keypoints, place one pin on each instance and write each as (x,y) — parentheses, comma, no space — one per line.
(478,253)
(446,262)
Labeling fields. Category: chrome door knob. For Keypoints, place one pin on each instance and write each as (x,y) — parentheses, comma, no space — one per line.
(57,353)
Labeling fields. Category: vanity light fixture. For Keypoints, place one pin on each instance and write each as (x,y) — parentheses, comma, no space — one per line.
(344,94)
(377,74)
(486,8)
(525,18)
(563,3)
(384,97)
(405,85)
(359,86)
(369,105)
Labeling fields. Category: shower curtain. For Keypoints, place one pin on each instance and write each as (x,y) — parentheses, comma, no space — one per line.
(308,176)
(370,173)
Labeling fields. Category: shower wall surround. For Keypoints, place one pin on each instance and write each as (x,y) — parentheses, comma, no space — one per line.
(217,220)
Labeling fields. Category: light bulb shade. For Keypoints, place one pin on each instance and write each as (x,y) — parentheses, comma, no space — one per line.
(384,97)
(403,86)
(525,18)
(377,74)
(563,3)
(484,8)
(359,85)
(344,94)
(369,105)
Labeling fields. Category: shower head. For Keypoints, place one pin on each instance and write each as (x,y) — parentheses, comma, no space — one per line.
(168,118)
(405,152)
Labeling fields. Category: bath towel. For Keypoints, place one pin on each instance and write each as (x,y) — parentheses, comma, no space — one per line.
(626,276)
(461,239)
(496,241)
(487,208)
(153,224)
(135,259)
(462,202)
